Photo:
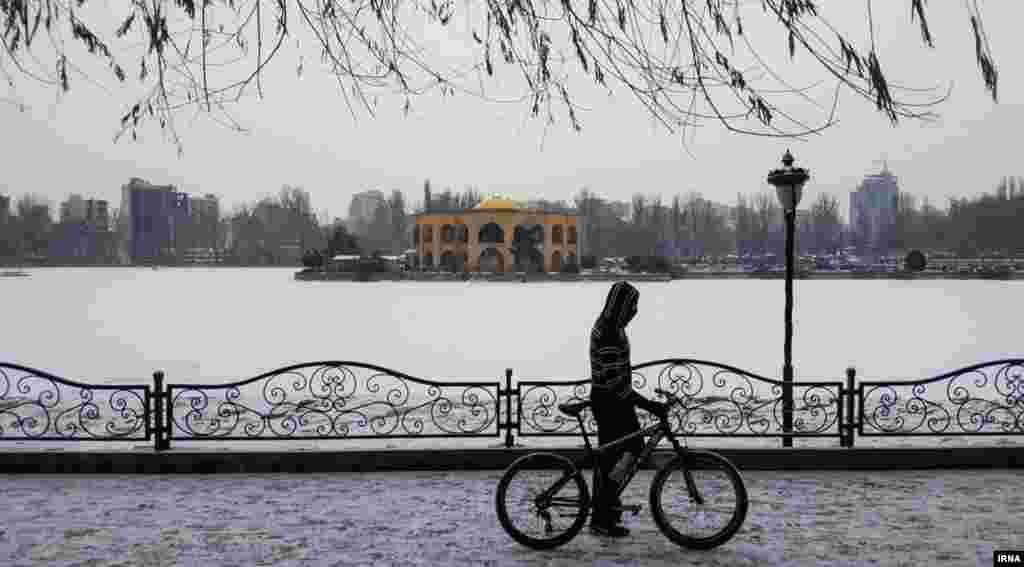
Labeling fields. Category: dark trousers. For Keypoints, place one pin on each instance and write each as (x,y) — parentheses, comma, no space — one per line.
(615,419)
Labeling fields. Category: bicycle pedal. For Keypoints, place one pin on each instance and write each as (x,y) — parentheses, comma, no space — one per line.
(634,508)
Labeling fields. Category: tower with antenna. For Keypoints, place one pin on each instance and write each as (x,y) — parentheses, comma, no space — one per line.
(873,208)
(885,164)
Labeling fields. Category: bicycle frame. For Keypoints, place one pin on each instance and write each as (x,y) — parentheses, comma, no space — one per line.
(591,454)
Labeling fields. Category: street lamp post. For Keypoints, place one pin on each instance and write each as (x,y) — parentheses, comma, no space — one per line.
(789,183)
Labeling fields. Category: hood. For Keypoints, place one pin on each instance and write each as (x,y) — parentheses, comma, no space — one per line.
(618,307)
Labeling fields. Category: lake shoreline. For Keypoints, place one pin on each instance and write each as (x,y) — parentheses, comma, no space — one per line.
(304,275)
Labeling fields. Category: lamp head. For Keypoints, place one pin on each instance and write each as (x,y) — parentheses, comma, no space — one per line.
(789,182)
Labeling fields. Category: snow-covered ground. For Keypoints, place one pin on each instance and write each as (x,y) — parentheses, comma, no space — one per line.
(447,518)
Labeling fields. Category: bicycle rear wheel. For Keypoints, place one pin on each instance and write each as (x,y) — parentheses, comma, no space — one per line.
(719,485)
(542,500)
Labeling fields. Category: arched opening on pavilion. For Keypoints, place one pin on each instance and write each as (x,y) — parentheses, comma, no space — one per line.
(491,233)
(527,243)
(448,261)
(492,261)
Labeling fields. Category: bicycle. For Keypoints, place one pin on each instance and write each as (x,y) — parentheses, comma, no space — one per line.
(547,504)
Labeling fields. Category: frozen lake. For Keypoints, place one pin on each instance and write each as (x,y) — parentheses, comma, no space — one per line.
(109,325)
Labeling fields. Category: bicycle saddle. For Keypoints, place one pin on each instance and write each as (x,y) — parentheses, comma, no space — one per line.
(574,408)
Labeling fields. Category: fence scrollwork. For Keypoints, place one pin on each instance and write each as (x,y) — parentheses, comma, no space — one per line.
(983,399)
(325,400)
(342,399)
(538,407)
(38,406)
(718,400)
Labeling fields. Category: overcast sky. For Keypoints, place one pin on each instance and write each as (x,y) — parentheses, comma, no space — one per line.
(302,133)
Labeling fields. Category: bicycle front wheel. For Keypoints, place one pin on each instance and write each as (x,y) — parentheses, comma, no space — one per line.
(722,504)
(542,500)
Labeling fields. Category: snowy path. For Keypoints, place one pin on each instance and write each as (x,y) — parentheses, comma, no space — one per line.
(447,518)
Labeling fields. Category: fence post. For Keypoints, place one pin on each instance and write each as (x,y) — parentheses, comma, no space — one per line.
(508,409)
(158,402)
(851,373)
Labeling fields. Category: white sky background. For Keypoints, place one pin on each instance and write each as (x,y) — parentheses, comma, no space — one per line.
(303,134)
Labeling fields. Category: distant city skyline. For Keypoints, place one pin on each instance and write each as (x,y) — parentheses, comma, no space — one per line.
(62,144)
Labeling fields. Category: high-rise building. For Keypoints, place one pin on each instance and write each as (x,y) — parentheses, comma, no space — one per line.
(83,233)
(154,217)
(94,212)
(97,214)
(873,207)
(205,221)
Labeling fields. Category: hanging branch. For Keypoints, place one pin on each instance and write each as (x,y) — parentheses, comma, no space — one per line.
(680,60)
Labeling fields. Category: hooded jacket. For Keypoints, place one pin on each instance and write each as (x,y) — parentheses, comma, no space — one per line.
(610,372)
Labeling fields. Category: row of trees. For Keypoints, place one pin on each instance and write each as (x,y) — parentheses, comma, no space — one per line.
(274,230)
(280,229)
(283,230)
(693,226)
(24,233)
(388,230)
(989,223)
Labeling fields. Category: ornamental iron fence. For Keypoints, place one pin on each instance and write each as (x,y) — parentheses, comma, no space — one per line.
(718,400)
(353,400)
(331,400)
(39,406)
(983,399)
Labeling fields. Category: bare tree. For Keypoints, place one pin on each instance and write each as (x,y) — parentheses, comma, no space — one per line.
(639,210)
(745,225)
(399,222)
(379,232)
(588,207)
(685,62)
(468,199)
(302,226)
(767,216)
(35,219)
(825,224)
(657,216)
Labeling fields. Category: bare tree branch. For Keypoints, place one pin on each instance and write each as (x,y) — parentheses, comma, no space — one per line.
(678,60)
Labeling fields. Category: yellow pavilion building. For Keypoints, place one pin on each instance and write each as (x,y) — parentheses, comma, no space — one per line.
(487,237)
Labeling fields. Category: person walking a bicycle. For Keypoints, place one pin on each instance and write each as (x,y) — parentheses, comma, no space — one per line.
(613,402)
